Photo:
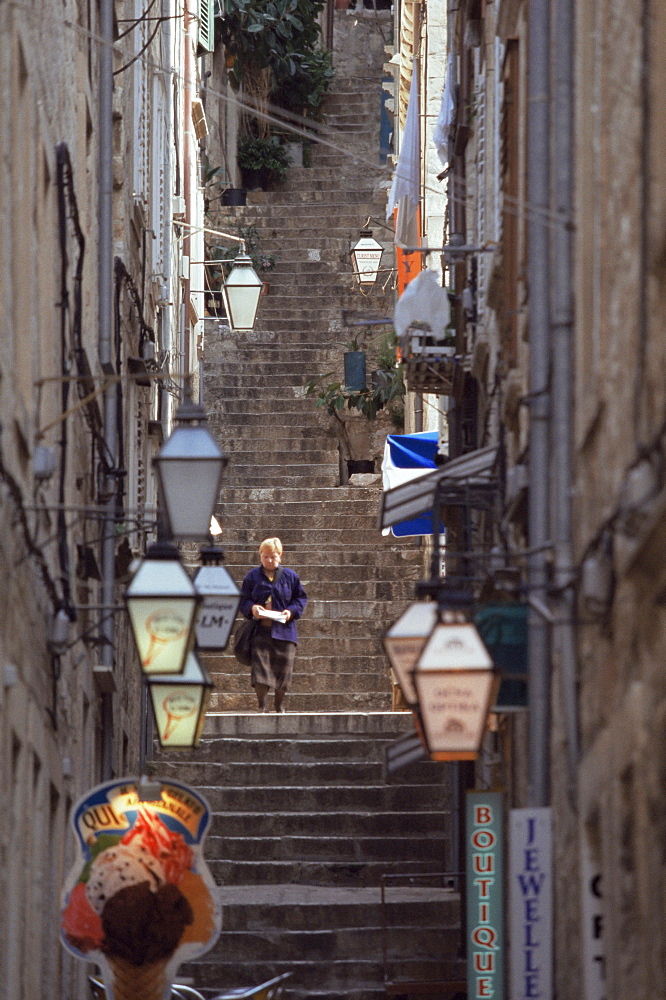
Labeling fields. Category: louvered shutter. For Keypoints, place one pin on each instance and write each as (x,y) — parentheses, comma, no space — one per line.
(206,26)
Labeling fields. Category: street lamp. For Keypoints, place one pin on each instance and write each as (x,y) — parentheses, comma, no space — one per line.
(366,257)
(179,705)
(456,684)
(220,600)
(161,603)
(189,468)
(404,643)
(241,292)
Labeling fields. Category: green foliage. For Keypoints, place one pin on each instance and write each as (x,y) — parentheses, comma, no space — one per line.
(282,38)
(267,34)
(387,388)
(267,154)
(261,259)
(304,91)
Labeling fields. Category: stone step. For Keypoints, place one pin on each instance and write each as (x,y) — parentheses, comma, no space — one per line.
(328,498)
(330,683)
(244,739)
(309,703)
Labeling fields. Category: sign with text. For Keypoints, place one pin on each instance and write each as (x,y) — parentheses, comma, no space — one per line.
(140,898)
(530,885)
(484,851)
(594,952)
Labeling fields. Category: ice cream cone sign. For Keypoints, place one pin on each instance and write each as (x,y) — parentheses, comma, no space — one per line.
(140,899)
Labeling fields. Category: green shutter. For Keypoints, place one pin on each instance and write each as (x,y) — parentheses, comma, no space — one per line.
(206,26)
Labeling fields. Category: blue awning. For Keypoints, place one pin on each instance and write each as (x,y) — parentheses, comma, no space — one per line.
(405,457)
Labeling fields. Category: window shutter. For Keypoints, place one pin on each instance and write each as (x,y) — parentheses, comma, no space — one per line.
(206,26)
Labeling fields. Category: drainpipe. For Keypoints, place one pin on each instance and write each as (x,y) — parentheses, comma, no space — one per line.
(539,396)
(562,371)
(105,350)
(188,89)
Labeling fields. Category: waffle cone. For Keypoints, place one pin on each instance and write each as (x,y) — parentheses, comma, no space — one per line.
(138,982)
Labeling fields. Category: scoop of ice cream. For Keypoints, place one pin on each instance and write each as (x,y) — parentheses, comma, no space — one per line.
(117,868)
(142,926)
(81,925)
(154,838)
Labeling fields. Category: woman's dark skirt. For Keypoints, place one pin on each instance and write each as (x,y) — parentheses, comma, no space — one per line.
(272,660)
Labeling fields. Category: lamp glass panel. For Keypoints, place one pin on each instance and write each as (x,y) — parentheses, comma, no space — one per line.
(454,647)
(179,705)
(162,628)
(454,707)
(220,600)
(241,293)
(190,466)
(161,603)
(190,490)
(403,652)
(404,643)
(366,257)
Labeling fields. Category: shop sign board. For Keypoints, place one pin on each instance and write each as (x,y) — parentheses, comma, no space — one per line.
(140,898)
(594,952)
(530,886)
(484,895)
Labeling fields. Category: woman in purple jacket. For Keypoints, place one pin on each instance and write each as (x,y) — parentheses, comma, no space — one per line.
(273,595)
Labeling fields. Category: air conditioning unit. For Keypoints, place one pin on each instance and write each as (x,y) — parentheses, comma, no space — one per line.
(178,206)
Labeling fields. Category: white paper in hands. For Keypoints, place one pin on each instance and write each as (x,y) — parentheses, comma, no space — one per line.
(276,616)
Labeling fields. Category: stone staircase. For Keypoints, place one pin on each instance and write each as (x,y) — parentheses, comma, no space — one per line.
(304,828)
(305,824)
(284,472)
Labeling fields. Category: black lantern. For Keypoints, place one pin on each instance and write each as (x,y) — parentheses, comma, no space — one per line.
(241,292)
(179,705)
(162,603)
(220,600)
(189,467)
(366,257)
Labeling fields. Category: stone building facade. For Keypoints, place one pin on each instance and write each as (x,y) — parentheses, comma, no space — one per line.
(555,177)
(100,203)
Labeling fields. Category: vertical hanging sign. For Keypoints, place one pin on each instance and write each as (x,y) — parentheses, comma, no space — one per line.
(594,952)
(530,904)
(484,895)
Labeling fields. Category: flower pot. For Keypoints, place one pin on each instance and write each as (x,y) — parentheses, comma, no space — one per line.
(355,371)
(234,196)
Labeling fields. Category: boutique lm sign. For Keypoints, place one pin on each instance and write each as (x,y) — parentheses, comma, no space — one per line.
(484,893)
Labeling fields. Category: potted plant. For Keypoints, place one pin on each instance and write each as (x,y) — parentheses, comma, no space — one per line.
(263,161)
(385,393)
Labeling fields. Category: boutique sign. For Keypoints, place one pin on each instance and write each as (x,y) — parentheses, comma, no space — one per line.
(485,895)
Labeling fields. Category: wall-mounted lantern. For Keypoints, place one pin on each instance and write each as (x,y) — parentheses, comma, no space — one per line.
(189,467)
(220,600)
(366,257)
(162,603)
(179,705)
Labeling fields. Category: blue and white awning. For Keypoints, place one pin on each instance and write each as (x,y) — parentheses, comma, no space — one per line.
(407,456)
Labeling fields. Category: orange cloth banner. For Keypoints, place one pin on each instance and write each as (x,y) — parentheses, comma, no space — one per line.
(408,264)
